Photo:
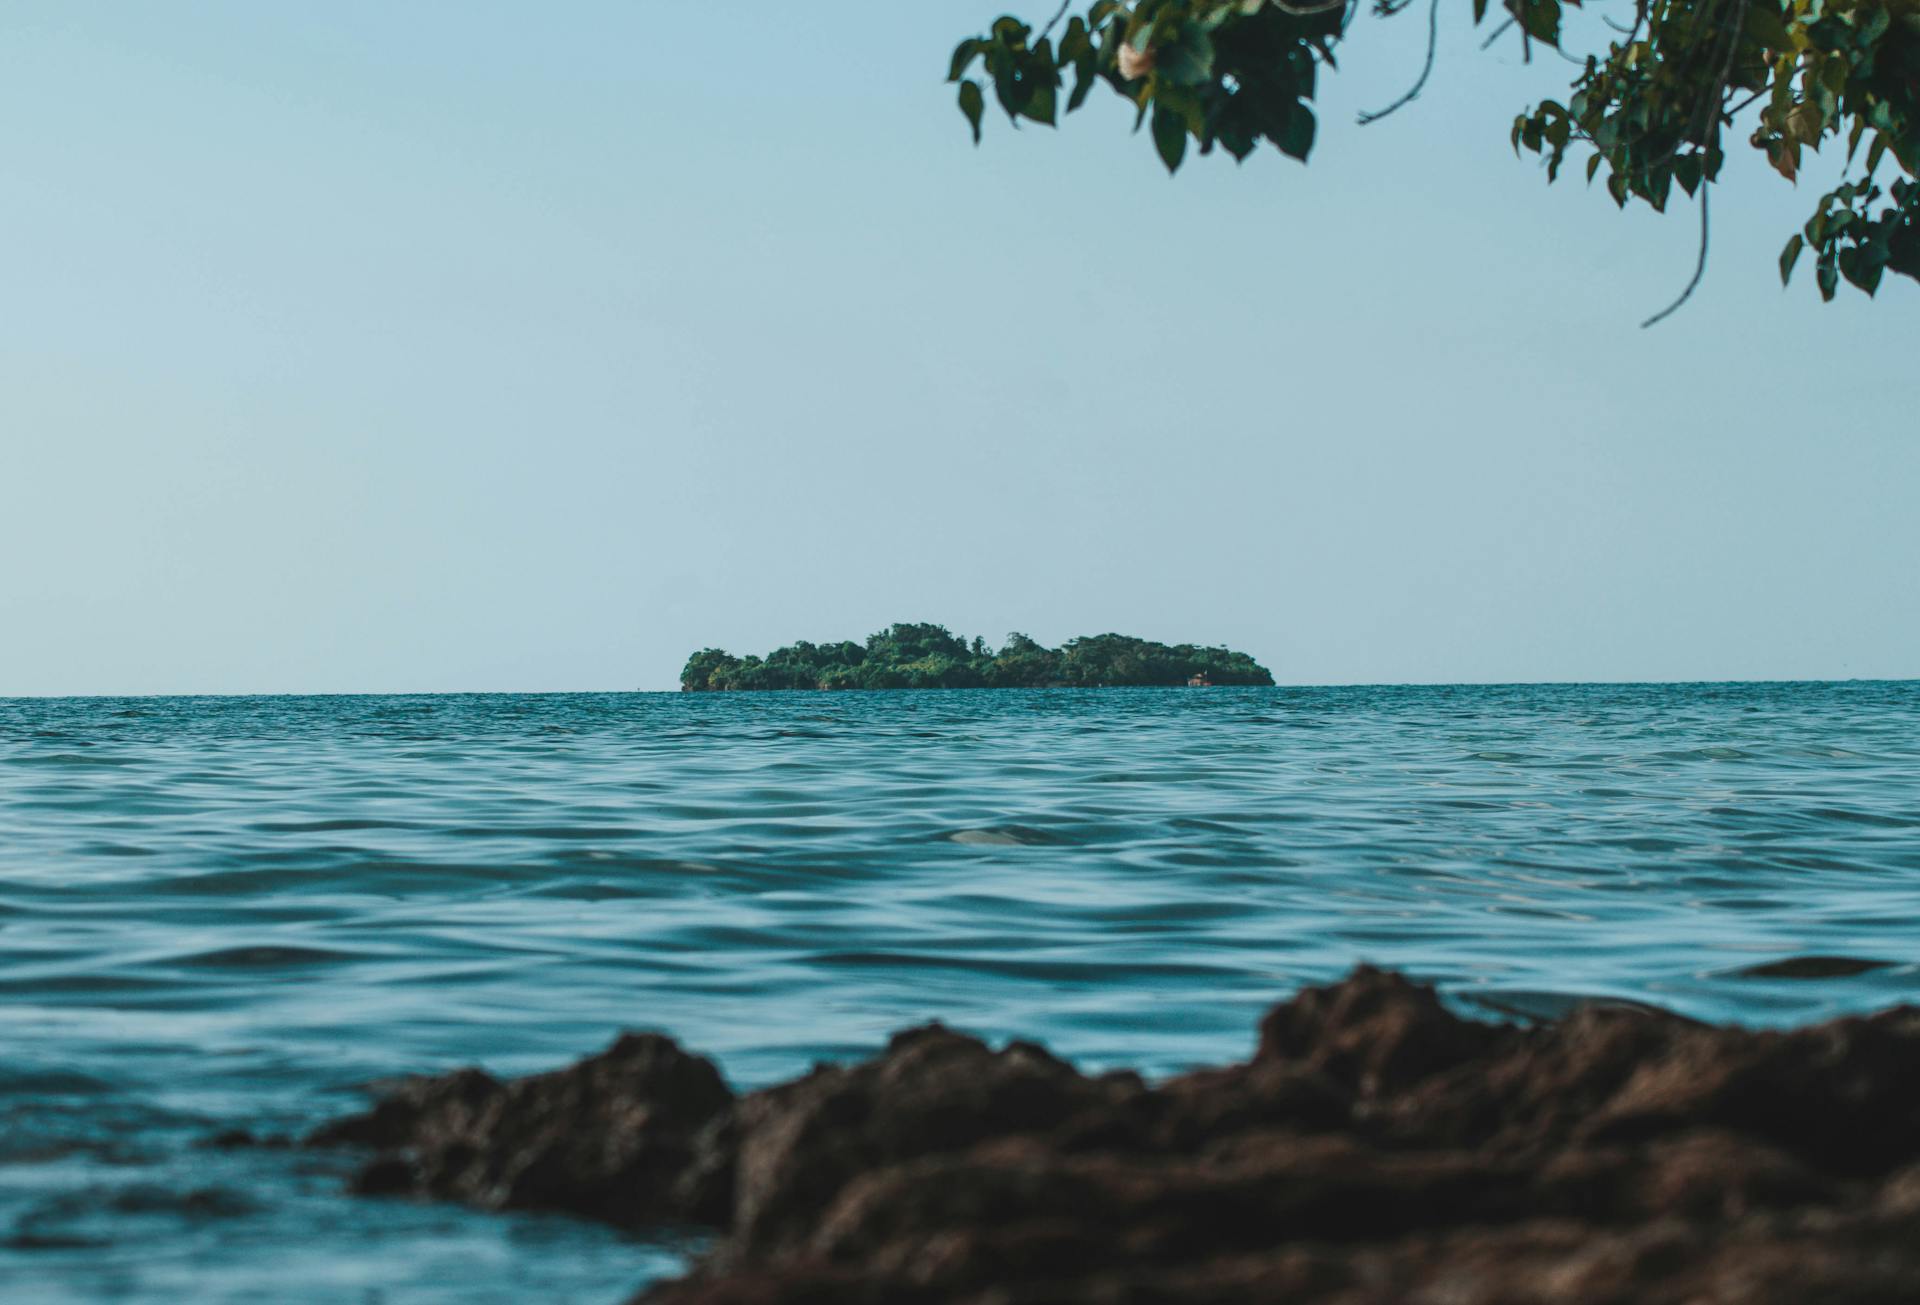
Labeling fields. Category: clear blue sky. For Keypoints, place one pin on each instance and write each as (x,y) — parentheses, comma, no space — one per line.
(447,346)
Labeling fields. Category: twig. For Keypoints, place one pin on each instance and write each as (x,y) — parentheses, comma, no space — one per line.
(1718,100)
(1047,31)
(1498,32)
(1699,268)
(1639,20)
(1413,93)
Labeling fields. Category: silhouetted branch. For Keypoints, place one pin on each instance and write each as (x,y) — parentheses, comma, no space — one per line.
(1433,41)
(1699,268)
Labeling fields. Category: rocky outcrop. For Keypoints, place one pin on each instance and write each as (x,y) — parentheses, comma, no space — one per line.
(625,1136)
(1376,1148)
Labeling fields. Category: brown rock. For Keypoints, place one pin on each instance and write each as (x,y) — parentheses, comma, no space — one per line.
(1377,1032)
(1376,1150)
(932,1092)
(629,1136)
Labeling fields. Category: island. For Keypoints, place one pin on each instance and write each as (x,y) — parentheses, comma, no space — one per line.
(919,656)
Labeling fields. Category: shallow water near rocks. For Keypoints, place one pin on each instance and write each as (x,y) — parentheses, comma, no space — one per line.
(236,913)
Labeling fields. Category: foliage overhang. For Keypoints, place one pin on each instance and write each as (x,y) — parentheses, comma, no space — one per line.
(1653,109)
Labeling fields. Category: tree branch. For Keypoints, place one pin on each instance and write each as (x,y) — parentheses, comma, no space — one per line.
(1699,268)
(1426,70)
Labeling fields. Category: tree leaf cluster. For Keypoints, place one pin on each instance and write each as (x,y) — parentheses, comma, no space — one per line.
(1655,108)
(919,656)
(1652,109)
(1231,73)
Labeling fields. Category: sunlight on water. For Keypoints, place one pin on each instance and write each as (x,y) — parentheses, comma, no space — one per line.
(234,913)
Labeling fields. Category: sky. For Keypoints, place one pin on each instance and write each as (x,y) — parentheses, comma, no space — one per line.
(457,345)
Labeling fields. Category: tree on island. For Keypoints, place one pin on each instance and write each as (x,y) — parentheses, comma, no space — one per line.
(1652,108)
(912,656)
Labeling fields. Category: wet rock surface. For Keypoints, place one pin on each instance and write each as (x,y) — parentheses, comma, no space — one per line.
(1375,1148)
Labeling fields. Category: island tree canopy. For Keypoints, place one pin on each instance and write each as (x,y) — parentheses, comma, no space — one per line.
(918,656)
(1653,109)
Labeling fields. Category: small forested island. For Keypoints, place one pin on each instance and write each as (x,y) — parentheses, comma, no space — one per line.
(930,657)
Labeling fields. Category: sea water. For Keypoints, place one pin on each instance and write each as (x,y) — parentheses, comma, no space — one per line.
(222,914)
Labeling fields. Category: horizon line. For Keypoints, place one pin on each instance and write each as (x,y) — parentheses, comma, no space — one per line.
(757,693)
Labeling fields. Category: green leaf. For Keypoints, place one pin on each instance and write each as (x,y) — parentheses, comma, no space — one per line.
(1011,89)
(1686,170)
(1083,79)
(1297,141)
(1075,41)
(1861,268)
(1187,61)
(1766,25)
(963,57)
(1789,256)
(1780,103)
(1657,187)
(1540,19)
(1040,104)
(1169,136)
(973,104)
(1010,31)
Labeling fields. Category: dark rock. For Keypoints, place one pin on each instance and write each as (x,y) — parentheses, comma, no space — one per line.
(1812,967)
(1376,1149)
(1377,1032)
(240,1139)
(933,1092)
(620,1137)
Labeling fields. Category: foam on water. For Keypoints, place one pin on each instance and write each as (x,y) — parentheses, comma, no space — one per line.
(235,913)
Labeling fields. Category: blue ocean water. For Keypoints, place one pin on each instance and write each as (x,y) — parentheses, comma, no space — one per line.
(236,913)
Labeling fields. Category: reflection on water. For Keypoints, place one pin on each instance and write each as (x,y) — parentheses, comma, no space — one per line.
(233,912)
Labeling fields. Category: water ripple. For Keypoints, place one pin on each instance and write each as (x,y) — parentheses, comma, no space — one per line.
(236,912)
